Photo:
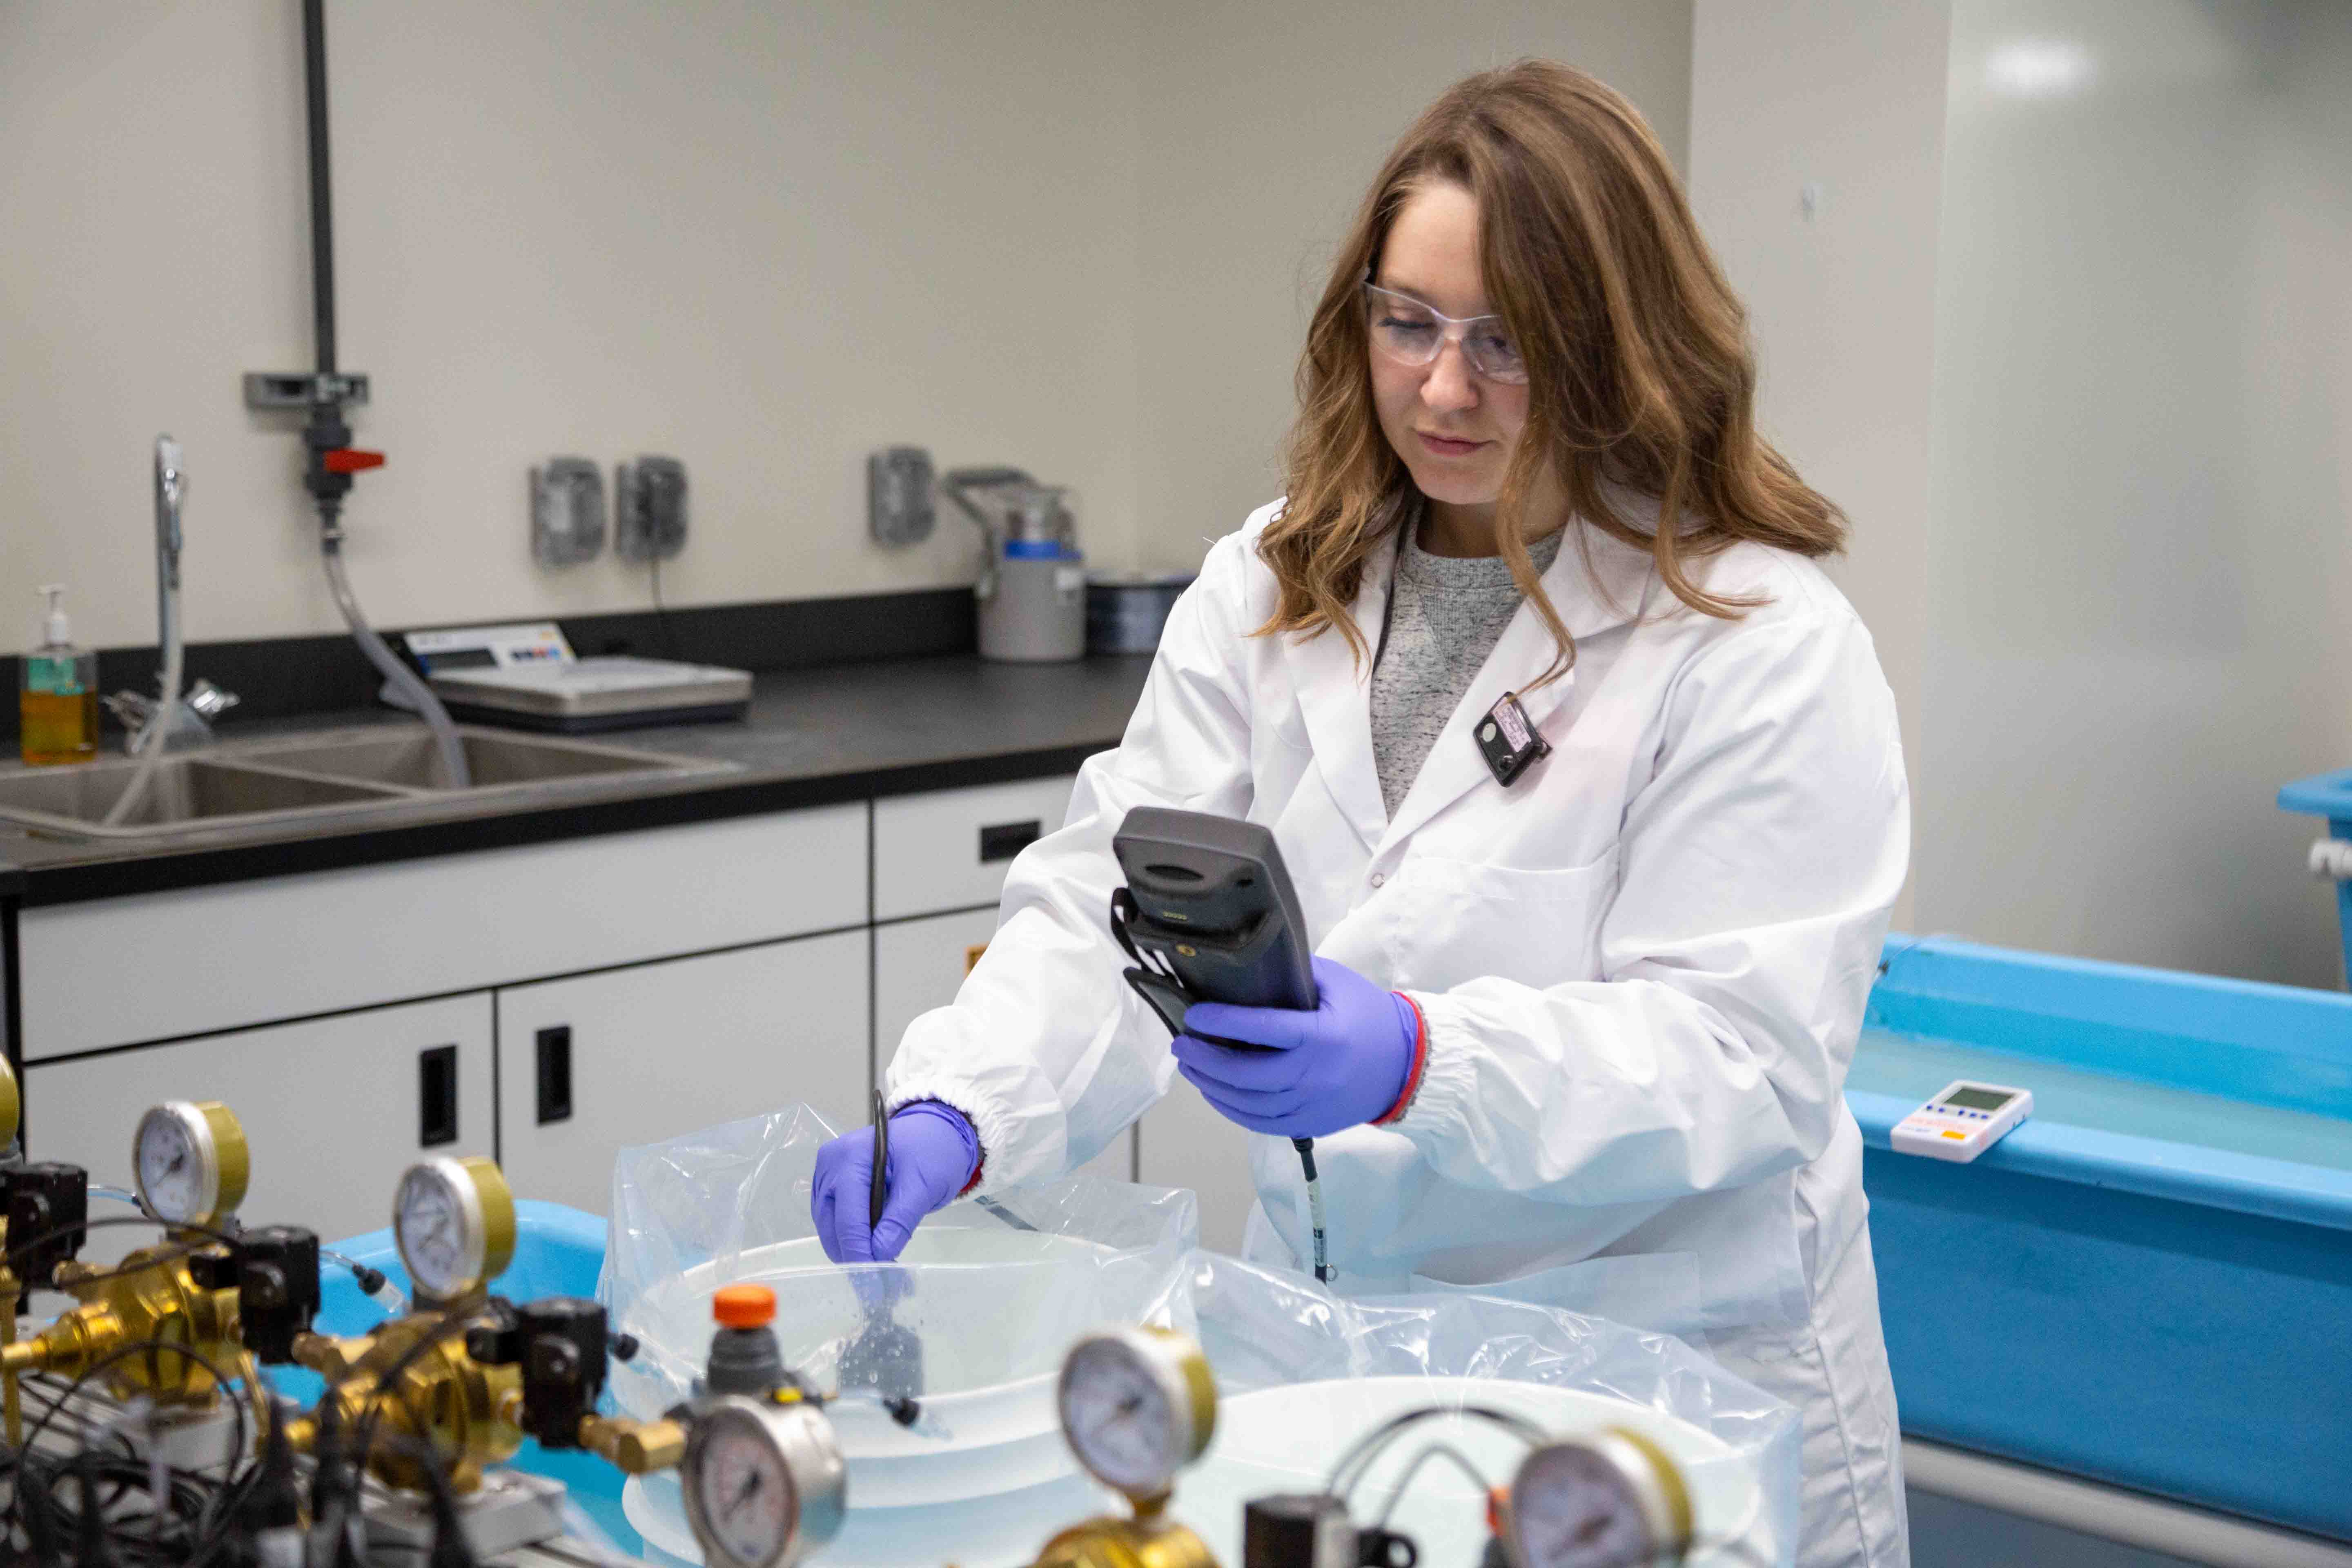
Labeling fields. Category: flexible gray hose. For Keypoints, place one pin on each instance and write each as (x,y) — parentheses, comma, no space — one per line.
(404,680)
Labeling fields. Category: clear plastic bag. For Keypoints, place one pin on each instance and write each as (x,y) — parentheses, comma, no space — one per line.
(1303,1373)
(993,1291)
(998,1291)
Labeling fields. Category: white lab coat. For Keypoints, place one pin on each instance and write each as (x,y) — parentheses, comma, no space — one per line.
(1644,968)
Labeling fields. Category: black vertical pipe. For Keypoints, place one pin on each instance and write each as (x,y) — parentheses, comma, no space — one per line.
(323,231)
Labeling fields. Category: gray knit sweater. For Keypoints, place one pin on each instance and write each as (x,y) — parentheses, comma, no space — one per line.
(1445,615)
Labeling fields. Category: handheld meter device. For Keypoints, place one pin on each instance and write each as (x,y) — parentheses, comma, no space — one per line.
(1208,914)
(1963,1121)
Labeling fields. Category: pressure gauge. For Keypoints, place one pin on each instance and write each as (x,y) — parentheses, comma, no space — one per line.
(765,1483)
(455,1222)
(190,1161)
(1137,1407)
(1612,1498)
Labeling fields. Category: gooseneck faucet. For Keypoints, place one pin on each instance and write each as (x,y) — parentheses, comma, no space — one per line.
(171,485)
(153,739)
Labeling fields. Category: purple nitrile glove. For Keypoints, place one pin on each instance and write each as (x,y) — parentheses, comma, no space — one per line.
(1338,1065)
(933,1154)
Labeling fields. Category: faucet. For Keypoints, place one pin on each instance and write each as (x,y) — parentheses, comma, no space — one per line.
(187,722)
(171,487)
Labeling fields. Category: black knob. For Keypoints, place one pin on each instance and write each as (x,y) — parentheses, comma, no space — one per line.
(277,1289)
(563,1363)
(1305,1529)
(498,1340)
(48,1204)
(213,1269)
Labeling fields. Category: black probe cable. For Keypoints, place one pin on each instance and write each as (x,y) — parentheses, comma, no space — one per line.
(122,1352)
(26,1462)
(1323,1269)
(125,1351)
(1121,901)
(450,1547)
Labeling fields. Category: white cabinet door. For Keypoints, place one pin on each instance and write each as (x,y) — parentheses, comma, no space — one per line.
(591,1064)
(919,965)
(1187,1145)
(333,1109)
(326,941)
(950,848)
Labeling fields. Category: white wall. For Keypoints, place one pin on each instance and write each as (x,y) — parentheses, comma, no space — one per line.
(2143,474)
(2078,362)
(1841,100)
(765,238)
(1264,123)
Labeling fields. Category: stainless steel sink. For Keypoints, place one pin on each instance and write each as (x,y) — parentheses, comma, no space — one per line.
(345,774)
(408,759)
(186,792)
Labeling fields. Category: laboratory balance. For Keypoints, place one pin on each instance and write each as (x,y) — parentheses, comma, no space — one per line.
(527,675)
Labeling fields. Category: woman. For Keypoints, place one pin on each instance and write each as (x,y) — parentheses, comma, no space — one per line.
(1582,1037)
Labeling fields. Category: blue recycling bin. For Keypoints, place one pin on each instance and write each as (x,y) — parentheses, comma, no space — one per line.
(2328,795)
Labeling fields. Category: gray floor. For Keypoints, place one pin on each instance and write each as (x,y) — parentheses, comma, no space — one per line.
(1949,1533)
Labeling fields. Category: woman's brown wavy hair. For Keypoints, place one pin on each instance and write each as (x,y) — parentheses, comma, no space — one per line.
(1639,370)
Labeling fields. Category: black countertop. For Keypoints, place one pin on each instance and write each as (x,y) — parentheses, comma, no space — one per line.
(814,737)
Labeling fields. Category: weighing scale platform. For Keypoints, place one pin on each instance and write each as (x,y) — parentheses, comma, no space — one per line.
(527,677)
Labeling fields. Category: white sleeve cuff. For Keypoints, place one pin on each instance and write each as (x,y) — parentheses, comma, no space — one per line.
(990,1122)
(1439,1111)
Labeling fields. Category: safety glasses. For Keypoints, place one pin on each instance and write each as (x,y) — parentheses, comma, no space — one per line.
(1410,332)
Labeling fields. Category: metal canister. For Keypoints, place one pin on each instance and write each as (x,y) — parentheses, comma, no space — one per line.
(1126,611)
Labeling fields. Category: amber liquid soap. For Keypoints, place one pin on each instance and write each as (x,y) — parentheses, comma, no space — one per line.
(57,708)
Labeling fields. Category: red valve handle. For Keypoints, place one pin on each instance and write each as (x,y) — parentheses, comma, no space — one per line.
(349,460)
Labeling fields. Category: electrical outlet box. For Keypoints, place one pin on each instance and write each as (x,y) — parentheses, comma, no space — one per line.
(567,511)
(649,509)
(898,506)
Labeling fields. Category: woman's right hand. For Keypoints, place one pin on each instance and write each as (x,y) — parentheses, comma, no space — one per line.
(934,1154)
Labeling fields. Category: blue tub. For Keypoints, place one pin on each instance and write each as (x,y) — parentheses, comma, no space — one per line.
(2149,1283)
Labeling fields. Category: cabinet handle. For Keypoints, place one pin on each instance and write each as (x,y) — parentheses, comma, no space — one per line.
(1007,839)
(554,1048)
(437,1095)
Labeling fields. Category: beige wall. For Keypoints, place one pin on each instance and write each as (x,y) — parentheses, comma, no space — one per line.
(1264,123)
(765,238)
(2066,336)
(1843,98)
(2143,474)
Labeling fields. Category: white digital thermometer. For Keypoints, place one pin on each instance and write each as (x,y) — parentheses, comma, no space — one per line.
(1963,1121)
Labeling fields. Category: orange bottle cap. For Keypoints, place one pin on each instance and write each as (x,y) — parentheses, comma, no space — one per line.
(743,1306)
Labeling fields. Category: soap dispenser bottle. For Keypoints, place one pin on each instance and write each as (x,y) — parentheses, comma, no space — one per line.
(56,710)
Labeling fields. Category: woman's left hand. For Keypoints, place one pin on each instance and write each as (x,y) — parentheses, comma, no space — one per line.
(1340,1065)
